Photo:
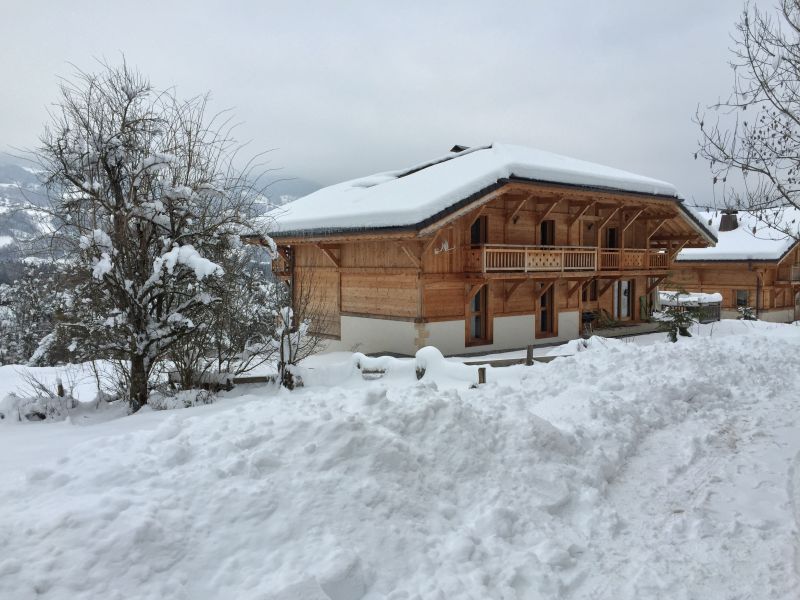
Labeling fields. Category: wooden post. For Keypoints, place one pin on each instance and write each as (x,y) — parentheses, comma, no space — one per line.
(481,375)
(529,356)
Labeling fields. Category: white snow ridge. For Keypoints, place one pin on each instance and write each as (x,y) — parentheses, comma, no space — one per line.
(627,471)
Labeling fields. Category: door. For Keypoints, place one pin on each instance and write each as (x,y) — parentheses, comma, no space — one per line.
(546,320)
(547,233)
(477,318)
(622,302)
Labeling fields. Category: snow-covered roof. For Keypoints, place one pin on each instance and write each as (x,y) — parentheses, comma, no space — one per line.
(419,194)
(751,240)
(675,298)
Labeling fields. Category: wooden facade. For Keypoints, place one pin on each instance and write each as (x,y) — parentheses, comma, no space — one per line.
(521,263)
(770,287)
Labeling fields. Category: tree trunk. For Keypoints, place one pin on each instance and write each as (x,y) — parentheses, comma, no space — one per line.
(138,394)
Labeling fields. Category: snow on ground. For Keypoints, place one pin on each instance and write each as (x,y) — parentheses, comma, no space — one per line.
(629,470)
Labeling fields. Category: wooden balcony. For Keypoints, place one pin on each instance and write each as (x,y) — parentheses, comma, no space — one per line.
(548,259)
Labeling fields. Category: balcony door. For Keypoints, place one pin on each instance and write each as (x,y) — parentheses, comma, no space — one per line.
(612,237)
(547,233)
(478,232)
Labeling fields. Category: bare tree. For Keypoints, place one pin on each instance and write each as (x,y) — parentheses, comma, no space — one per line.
(752,139)
(144,190)
(303,321)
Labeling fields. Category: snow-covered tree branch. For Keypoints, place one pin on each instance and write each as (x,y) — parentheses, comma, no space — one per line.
(752,139)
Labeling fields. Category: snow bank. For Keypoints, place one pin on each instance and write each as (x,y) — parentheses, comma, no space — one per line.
(511,490)
(596,342)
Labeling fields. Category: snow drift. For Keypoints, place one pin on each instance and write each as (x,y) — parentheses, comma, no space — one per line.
(516,489)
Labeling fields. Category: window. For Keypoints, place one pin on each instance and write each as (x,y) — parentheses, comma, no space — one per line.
(477,316)
(477,232)
(742,298)
(547,233)
(612,237)
(589,293)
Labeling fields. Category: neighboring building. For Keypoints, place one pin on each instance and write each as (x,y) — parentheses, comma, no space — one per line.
(486,248)
(751,265)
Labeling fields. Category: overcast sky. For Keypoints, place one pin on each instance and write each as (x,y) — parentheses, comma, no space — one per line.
(343,89)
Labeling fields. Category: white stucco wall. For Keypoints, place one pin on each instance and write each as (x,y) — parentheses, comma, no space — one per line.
(360,334)
(775,315)
(569,325)
(509,333)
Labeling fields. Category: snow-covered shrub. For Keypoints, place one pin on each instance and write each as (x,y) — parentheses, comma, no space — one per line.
(36,408)
(747,313)
(180,399)
(677,319)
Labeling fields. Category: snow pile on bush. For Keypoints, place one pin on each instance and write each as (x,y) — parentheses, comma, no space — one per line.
(407,490)
(596,342)
(180,399)
(36,408)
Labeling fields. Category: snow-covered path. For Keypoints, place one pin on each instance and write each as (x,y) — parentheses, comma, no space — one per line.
(625,472)
(707,509)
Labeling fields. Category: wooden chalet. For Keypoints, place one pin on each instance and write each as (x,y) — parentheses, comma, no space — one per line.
(751,265)
(488,248)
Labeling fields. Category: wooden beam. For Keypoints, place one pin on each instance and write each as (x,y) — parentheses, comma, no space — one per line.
(678,248)
(608,218)
(606,287)
(414,258)
(546,285)
(582,212)
(675,238)
(328,251)
(430,244)
(474,290)
(522,203)
(574,288)
(630,222)
(541,217)
(477,215)
(652,233)
(513,288)
(654,285)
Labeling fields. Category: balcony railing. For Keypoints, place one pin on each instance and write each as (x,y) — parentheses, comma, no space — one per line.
(532,259)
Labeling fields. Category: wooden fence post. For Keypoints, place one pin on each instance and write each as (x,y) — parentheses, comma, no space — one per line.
(529,356)
(481,375)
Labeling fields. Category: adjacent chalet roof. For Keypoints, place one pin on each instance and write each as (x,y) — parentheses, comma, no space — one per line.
(676,298)
(751,240)
(422,194)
